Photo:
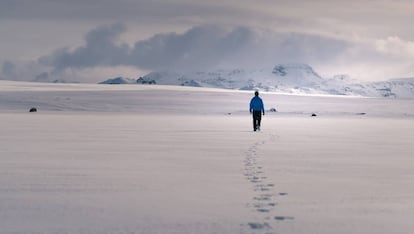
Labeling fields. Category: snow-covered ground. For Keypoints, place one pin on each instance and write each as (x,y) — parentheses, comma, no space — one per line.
(163,159)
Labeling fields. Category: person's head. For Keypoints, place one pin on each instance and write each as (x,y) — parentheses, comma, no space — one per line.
(256,93)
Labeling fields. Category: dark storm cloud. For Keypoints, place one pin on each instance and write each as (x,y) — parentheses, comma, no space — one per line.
(209,46)
(100,50)
(201,47)
(8,69)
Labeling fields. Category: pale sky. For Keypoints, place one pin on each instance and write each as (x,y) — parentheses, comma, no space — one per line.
(92,40)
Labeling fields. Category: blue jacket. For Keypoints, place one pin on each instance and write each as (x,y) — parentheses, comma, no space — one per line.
(256,104)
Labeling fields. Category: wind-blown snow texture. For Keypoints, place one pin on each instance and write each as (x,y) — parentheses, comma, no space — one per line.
(286,78)
(167,159)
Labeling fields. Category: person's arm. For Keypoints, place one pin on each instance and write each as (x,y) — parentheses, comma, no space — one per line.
(251,106)
(263,110)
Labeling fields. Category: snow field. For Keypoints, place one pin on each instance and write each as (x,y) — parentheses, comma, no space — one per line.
(82,173)
(342,175)
(141,159)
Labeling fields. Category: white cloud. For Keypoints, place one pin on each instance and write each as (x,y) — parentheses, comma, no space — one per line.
(396,47)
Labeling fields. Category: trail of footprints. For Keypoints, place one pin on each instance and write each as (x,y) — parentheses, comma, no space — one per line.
(263,203)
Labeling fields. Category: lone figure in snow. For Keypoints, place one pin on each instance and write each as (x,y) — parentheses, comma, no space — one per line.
(256,108)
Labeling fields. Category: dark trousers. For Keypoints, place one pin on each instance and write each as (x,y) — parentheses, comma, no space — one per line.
(257,117)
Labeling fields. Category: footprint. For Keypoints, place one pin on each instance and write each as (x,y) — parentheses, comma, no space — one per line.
(258,225)
(263,203)
(262,189)
(282,218)
(263,198)
(263,210)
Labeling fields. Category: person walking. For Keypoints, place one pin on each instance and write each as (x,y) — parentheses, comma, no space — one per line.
(256,109)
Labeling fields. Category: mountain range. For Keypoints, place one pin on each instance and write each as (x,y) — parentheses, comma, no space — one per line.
(284,78)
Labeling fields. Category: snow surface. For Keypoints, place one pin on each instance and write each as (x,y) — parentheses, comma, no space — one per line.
(164,159)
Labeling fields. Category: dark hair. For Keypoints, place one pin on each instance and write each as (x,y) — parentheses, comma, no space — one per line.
(256,93)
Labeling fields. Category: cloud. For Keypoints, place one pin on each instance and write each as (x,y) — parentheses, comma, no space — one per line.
(100,50)
(8,70)
(208,47)
(315,32)
(396,46)
(21,70)
(138,11)
(202,47)
(199,47)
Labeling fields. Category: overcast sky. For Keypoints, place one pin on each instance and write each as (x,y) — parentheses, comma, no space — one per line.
(91,40)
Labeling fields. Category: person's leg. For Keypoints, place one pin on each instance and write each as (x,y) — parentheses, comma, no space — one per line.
(259,119)
(254,120)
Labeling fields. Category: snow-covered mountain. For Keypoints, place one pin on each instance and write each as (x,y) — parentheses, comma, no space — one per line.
(394,88)
(281,78)
(397,88)
(119,80)
(286,78)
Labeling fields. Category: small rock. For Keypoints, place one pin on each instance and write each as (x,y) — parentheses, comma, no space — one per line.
(273,110)
(313,115)
(33,109)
